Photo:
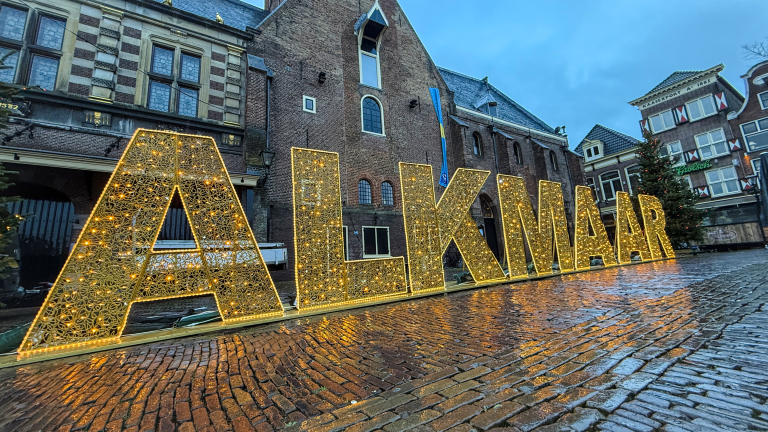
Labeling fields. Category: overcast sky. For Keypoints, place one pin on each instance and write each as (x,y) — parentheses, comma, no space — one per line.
(578,63)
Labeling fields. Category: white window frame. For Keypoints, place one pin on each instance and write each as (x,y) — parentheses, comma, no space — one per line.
(592,148)
(345,232)
(701,108)
(361,53)
(681,159)
(659,114)
(761,101)
(381,112)
(629,182)
(602,188)
(735,179)
(376,230)
(304,100)
(758,131)
(755,169)
(714,155)
(689,181)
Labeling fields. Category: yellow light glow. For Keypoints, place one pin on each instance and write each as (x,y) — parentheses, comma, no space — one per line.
(629,236)
(654,226)
(586,245)
(115,260)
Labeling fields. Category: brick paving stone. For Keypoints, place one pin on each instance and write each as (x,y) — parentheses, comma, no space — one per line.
(580,420)
(458,401)
(536,416)
(455,417)
(496,414)
(608,400)
(412,421)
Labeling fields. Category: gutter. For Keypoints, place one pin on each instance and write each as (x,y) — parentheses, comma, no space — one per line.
(521,128)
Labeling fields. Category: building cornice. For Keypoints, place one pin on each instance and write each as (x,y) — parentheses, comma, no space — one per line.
(713,70)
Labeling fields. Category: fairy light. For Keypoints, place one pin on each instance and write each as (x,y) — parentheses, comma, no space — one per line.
(655,232)
(323,277)
(113,264)
(585,245)
(550,230)
(629,236)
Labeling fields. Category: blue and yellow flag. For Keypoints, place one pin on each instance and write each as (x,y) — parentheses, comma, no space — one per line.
(435,93)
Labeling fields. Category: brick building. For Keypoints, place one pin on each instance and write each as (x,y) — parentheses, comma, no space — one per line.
(610,166)
(688,112)
(750,123)
(350,77)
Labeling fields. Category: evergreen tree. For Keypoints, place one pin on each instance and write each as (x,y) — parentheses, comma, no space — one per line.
(659,178)
(8,222)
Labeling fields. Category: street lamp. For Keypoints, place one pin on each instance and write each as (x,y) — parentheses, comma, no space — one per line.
(266,158)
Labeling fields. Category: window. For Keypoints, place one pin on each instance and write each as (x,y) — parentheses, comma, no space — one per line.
(610,182)
(553,160)
(164,78)
(375,242)
(756,168)
(387,195)
(518,153)
(633,176)
(763,100)
(591,184)
(756,133)
(477,144)
(369,50)
(687,180)
(592,152)
(363,192)
(662,121)
(700,108)
(36,52)
(723,181)
(712,144)
(675,152)
(309,104)
(372,120)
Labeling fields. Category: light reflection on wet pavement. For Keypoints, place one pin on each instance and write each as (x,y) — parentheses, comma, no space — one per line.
(304,373)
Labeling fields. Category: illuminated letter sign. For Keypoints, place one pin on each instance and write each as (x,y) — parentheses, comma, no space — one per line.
(654,226)
(629,237)
(113,263)
(323,278)
(517,217)
(586,245)
(454,222)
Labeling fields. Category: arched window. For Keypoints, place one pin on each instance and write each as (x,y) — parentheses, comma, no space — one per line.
(553,160)
(485,206)
(372,121)
(370,38)
(518,153)
(363,192)
(477,144)
(387,196)
(610,183)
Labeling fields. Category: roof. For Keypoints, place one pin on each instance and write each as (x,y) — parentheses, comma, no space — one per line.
(470,93)
(613,141)
(235,13)
(675,78)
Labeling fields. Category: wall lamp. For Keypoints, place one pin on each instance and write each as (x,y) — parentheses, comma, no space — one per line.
(413,104)
(321,77)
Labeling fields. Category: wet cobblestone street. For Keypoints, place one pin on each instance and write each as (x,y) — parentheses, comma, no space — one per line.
(678,345)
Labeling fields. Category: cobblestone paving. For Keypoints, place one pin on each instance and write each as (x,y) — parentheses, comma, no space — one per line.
(679,346)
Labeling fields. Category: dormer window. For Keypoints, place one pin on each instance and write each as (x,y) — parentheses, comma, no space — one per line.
(369,29)
(593,151)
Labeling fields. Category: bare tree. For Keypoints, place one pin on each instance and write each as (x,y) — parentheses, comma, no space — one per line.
(757,50)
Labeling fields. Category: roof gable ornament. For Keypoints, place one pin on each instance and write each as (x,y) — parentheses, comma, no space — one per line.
(374,22)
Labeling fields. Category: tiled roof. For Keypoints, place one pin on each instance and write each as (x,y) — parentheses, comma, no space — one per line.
(235,13)
(468,92)
(613,141)
(675,78)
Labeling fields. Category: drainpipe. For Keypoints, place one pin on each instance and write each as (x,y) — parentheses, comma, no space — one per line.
(269,85)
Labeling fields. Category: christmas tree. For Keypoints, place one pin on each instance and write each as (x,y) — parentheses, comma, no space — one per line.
(660,179)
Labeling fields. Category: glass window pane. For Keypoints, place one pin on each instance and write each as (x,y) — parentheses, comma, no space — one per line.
(364,192)
(589,152)
(43,72)
(713,176)
(188,102)
(368,45)
(764,99)
(763,123)
(758,141)
(371,116)
(369,241)
(732,185)
(663,151)
(676,147)
(668,120)
(50,32)
(708,104)
(159,96)
(387,197)
(717,188)
(749,127)
(706,152)
(190,68)
(728,173)
(717,136)
(721,148)
(162,61)
(369,71)
(7,75)
(694,110)
(382,241)
(597,151)
(656,123)
(12,22)
(702,140)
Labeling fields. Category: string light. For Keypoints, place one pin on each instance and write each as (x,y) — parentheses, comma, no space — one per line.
(323,277)
(628,241)
(113,263)
(654,226)
(585,245)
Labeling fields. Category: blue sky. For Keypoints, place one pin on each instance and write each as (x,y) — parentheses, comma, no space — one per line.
(578,63)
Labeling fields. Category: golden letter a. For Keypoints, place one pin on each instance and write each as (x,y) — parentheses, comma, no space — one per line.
(113,263)
(586,245)
(629,237)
